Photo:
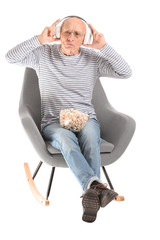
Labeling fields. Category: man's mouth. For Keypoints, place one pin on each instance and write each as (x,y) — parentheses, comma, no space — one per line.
(70,44)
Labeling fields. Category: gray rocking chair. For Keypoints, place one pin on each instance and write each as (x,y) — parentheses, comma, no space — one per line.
(117,130)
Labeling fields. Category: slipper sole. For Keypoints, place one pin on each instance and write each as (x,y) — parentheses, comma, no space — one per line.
(91,205)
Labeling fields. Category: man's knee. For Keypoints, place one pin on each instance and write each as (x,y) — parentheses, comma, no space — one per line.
(65,138)
(90,139)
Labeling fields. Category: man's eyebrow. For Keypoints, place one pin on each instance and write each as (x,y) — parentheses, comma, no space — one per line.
(76,31)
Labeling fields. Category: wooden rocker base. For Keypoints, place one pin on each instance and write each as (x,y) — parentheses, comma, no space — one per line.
(44,201)
(33,188)
(119,198)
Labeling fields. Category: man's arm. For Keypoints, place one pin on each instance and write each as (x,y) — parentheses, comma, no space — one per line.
(110,63)
(28,53)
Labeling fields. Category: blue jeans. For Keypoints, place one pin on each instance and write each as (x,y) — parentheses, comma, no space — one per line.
(81,150)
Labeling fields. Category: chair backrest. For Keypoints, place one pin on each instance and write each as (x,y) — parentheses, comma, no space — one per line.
(30,96)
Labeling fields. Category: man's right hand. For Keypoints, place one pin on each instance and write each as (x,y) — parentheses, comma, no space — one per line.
(47,35)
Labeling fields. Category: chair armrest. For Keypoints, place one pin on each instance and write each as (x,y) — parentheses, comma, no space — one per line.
(115,124)
(116,128)
(34,133)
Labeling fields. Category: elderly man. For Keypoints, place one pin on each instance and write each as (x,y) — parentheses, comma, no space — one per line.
(67,74)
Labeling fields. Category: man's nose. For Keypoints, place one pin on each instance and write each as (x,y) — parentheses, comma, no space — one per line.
(71,36)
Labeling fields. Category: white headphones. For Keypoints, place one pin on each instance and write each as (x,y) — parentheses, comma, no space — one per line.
(88,36)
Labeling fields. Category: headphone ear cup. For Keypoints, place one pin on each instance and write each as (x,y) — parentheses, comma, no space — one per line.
(88,38)
(57,32)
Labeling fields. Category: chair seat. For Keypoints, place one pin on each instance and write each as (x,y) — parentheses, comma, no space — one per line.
(105,147)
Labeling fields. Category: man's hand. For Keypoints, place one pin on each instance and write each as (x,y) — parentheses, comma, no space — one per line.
(47,35)
(98,39)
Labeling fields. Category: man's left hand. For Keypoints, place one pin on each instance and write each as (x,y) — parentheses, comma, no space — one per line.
(98,39)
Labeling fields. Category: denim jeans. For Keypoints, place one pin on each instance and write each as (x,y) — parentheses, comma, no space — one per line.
(81,150)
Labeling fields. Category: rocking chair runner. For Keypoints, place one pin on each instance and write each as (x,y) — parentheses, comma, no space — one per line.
(117,130)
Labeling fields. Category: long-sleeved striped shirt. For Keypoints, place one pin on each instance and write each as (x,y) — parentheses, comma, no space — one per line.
(67,81)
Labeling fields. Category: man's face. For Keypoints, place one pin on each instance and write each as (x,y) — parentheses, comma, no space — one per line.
(73,31)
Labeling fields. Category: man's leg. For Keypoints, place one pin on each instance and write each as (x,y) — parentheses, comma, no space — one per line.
(67,142)
(89,141)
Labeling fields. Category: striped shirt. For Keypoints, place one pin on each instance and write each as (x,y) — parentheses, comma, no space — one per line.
(67,81)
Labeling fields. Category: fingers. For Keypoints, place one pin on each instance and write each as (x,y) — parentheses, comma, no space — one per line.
(94,31)
(96,35)
(92,28)
(56,39)
(53,28)
(55,23)
(88,45)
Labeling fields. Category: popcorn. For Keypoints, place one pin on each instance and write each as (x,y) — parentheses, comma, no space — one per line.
(73,120)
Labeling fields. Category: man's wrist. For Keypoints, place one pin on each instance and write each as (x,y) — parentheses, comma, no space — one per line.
(103,45)
(39,39)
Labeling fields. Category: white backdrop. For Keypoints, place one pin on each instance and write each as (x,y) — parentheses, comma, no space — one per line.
(132,29)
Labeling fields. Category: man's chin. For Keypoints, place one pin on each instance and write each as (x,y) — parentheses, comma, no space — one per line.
(70,51)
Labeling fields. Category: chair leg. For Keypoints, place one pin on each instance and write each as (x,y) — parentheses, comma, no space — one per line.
(107,177)
(50,182)
(37,169)
(118,198)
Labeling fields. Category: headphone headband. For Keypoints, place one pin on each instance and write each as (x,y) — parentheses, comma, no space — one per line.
(72,16)
(88,36)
